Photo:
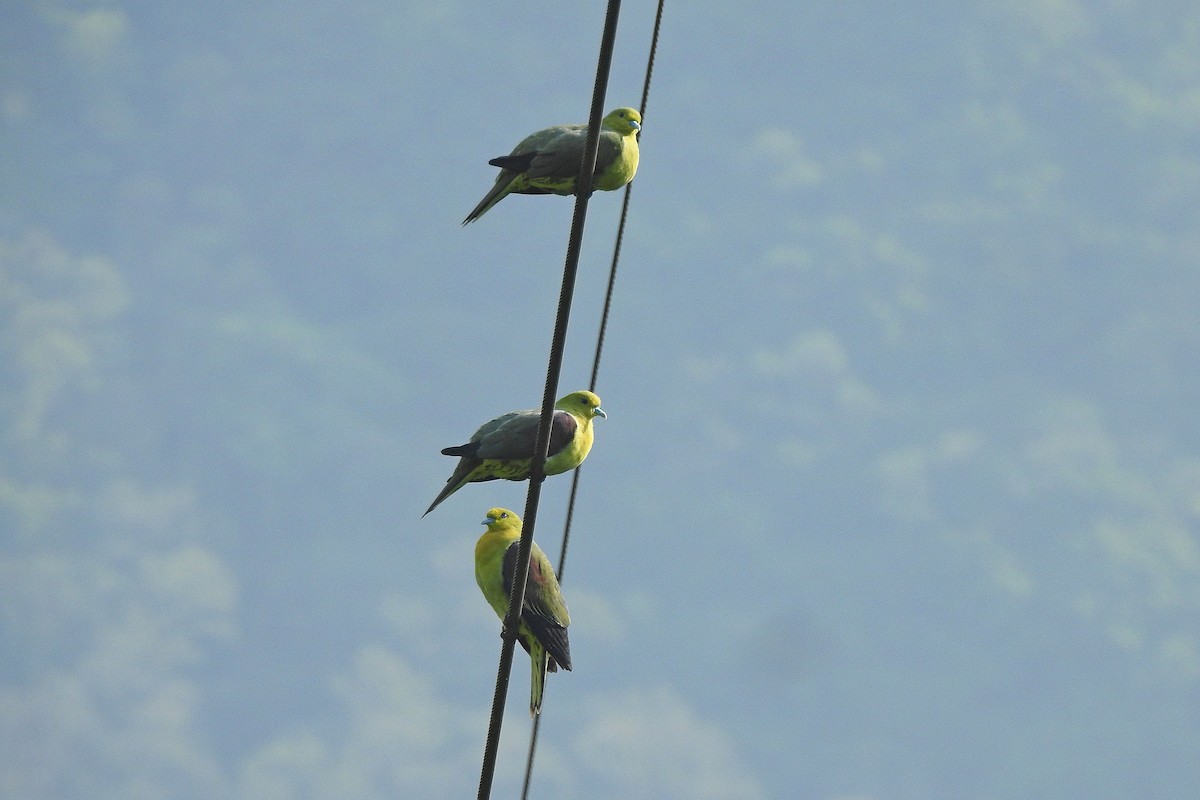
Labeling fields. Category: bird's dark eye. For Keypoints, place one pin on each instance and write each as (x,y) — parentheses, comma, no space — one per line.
(503,516)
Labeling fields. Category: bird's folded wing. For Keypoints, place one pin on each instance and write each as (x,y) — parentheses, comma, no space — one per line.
(560,157)
(610,148)
(517,162)
(517,435)
(544,611)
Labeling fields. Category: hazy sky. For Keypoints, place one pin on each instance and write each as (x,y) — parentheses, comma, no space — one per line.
(899,493)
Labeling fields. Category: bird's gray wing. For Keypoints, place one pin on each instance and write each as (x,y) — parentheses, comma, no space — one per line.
(516,436)
(544,610)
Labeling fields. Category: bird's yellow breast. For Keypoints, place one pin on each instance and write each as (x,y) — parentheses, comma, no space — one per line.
(574,453)
(622,170)
(489,567)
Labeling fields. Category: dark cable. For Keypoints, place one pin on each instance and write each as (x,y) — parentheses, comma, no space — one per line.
(583,191)
(612,273)
(612,279)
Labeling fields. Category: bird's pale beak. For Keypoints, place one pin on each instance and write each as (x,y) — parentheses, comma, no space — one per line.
(637,126)
(599,412)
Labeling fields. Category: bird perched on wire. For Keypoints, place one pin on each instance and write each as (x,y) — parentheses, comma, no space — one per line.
(503,447)
(544,619)
(548,162)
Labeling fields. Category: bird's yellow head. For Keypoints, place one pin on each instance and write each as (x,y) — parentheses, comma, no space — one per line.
(583,404)
(623,121)
(501,519)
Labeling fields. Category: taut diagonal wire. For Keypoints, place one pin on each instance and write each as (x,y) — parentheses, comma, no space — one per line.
(612,279)
(583,191)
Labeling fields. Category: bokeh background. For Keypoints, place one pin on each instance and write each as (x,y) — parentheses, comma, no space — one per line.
(899,493)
